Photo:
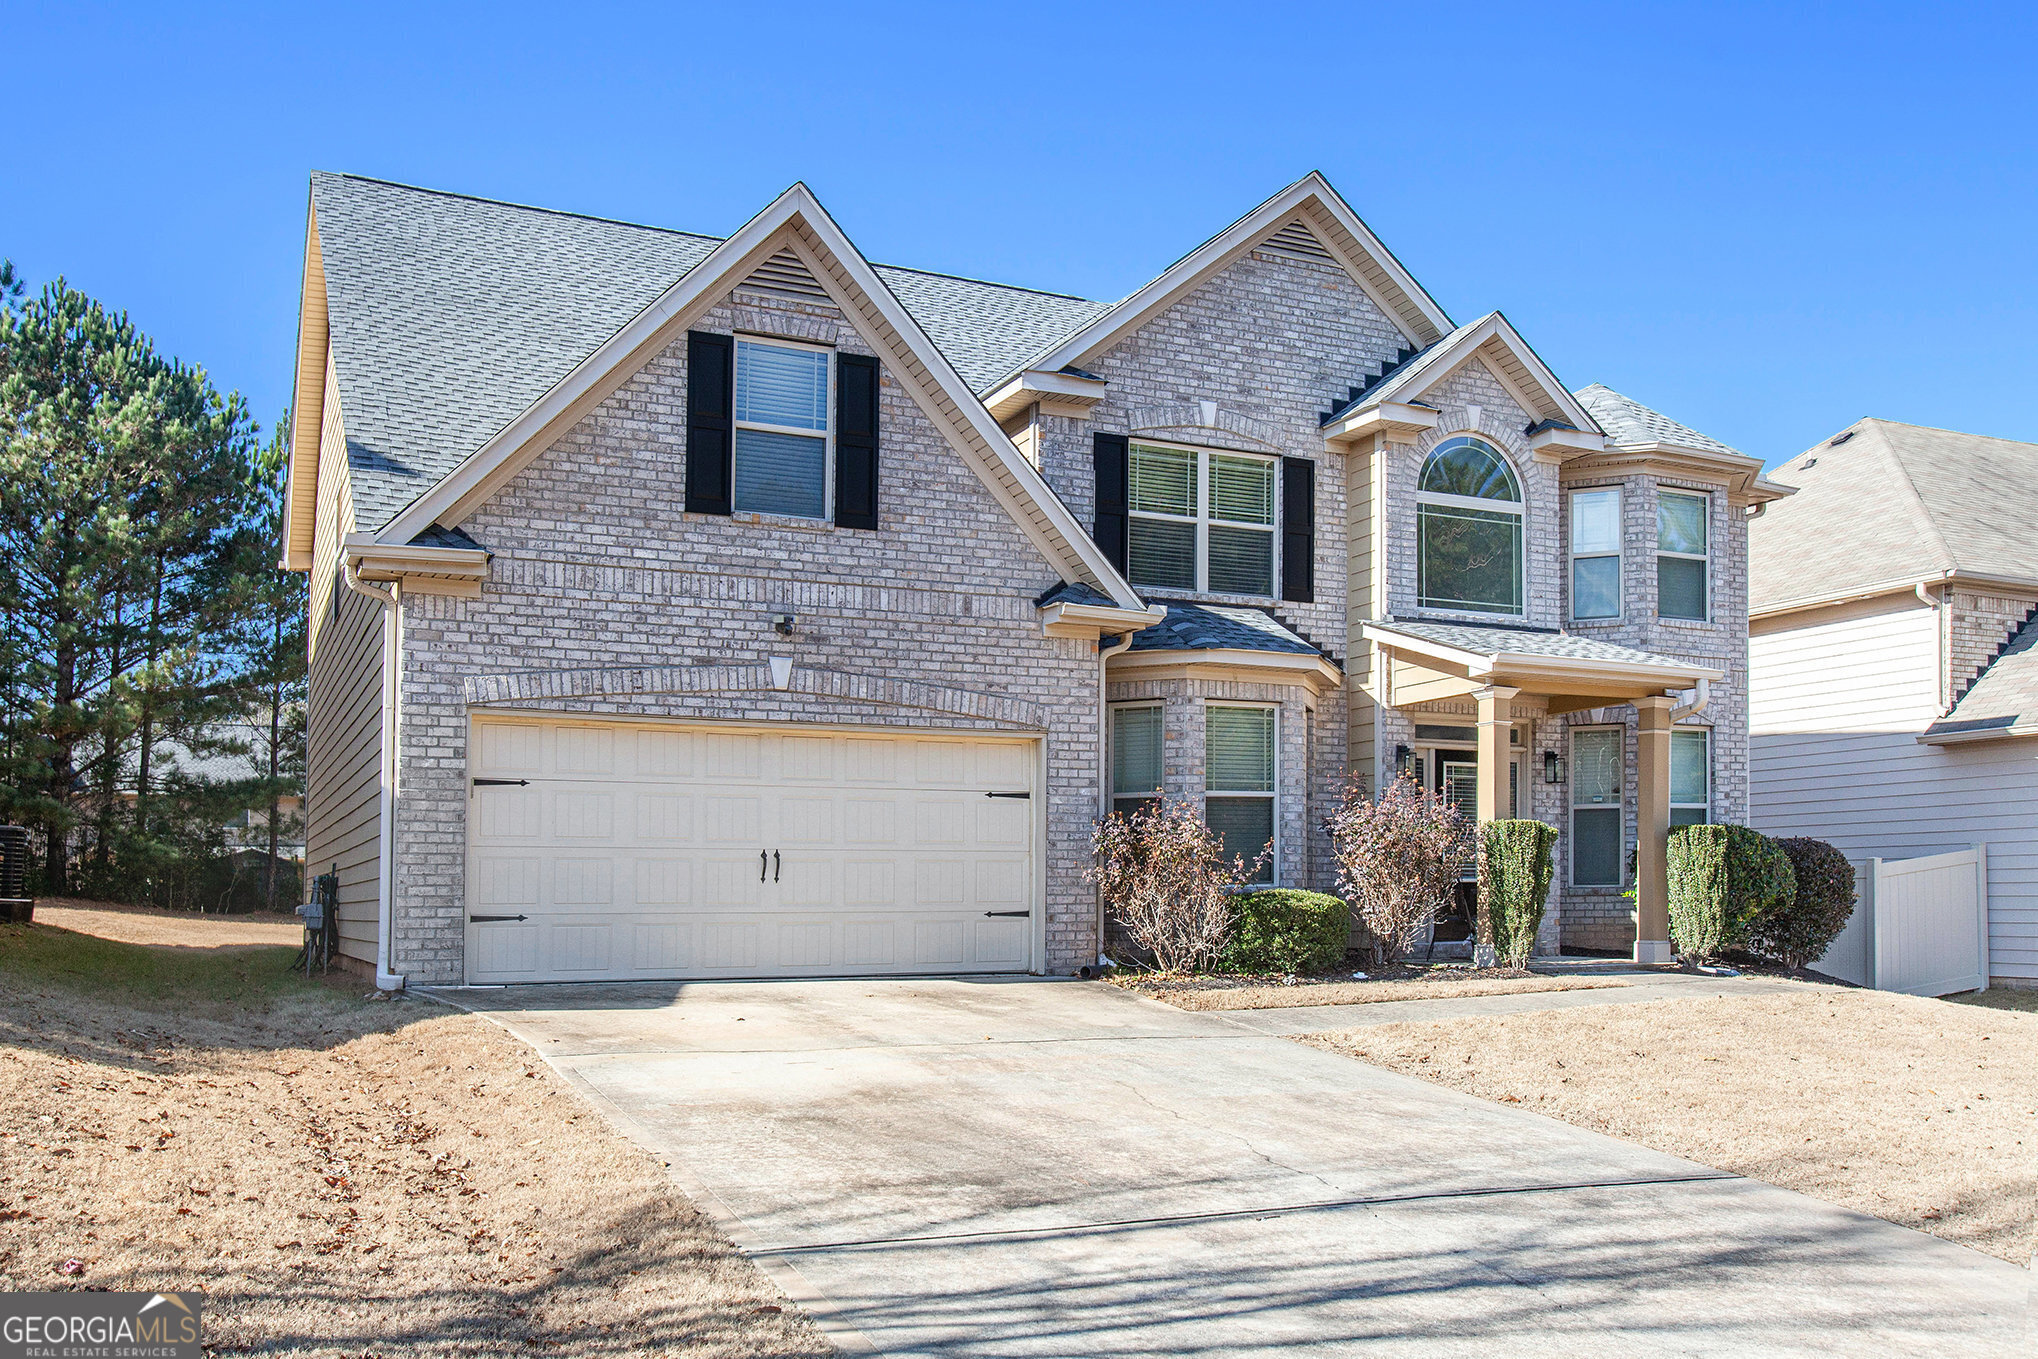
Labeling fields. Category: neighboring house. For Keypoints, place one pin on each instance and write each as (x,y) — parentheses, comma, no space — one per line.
(231,757)
(685,606)
(1894,660)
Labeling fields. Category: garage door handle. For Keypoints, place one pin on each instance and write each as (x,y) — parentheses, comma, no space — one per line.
(501,783)
(490,919)
(774,865)
(763,863)
(1023,915)
(1024,795)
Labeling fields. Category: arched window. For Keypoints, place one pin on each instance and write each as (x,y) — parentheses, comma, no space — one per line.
(1468,530)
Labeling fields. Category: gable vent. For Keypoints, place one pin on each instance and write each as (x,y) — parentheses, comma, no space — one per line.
(784,273)
(1296,239)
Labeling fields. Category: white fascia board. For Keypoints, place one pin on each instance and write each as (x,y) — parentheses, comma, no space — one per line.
(372,559)
(307,407)
(1395,419)
(1035,384)
(1069,619)
(1562,445)
(1894,585)
(1554,668)
(1191,269)
(2022,727)
(796,206)
(1295,663)
(1454,350)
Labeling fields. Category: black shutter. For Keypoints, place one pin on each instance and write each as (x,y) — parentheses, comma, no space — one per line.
(856,403)
(1298,530)
(1109,453)
(710,406)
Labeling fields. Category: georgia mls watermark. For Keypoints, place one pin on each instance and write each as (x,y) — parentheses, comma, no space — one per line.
(99,1325)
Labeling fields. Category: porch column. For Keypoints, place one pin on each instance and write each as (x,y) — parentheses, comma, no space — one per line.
(1652,825)
(1496,723)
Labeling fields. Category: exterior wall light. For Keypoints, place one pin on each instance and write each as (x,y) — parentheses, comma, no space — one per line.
(1553,767)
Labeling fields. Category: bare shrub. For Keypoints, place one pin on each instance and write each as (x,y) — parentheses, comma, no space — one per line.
(1398,859)
(1162,874)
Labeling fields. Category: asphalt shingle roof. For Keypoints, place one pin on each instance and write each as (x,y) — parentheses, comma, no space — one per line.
(1882,502)
(450,315)
(1627,421)
(1219,627)
(1075,592)
(1492,638)
(2006,695)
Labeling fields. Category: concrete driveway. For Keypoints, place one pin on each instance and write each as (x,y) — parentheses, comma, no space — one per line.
(1061,1169)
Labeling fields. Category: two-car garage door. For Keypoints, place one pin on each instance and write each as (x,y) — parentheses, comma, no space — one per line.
(610,850)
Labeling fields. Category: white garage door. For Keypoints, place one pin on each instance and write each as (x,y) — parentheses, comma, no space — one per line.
(609,851)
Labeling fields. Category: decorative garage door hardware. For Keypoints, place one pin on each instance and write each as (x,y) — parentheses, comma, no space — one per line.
(773,863)
(1023,915)
(1024,795)
(502,783)
(491,919)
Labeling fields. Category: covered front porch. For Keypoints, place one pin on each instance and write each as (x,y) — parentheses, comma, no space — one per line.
(1483,713)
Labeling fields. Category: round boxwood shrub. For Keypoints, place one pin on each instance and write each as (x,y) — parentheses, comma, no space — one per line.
(1722,879)
(1279,929)
(1799,931)
(1515,867)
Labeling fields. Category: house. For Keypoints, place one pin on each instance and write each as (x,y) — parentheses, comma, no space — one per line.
(1894,663)
(695,606)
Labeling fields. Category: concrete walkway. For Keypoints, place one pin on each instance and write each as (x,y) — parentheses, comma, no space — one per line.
(1638,986)
(1062,1169)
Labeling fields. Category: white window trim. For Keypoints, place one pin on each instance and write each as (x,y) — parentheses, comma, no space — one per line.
(1619,807)
(1517,508)
(1705,557)
(1619,566)
(1705,806)
(827,436)
(1272,795)
(1111,762)
(1202,519)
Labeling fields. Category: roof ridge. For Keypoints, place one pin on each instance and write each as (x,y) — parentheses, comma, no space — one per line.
(524,207)
(1938,536)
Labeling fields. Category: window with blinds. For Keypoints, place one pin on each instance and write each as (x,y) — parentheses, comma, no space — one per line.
(1201,521)
(1681,555)
(782,429)
(1238,782)
(1598,787)
(1595,553)
(1136,756)
(1690,776)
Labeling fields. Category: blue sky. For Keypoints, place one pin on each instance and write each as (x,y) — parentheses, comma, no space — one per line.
(1767,222)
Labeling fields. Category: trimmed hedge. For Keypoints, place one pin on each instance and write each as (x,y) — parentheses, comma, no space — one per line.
(1280,929)
(1515,867)
(1798,932)
(1722,879)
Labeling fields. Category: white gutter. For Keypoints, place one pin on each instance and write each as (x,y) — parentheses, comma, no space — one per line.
(1700,696)
(392,653)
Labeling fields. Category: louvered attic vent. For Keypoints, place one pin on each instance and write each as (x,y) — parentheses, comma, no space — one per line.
(1296,239)
(784,273)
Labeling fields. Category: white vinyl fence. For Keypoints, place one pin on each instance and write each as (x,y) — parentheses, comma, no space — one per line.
(1919,926)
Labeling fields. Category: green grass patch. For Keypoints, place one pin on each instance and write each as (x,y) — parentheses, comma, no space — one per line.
(150,976)
(2001,998)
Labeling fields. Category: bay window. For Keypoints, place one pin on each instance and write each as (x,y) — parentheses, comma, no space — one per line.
(1200,520)
(1238,781)
(1595,554)
(1468,530)
(1681,537)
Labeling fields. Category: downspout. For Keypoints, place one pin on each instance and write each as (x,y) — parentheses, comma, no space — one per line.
(392,651)
(1700,696)
(1104,655)
(1943,689)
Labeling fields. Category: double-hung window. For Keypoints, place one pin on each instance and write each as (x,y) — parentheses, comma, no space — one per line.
(1136,763)
(1681,537)
(1200,520)
(782,429)
(1690,776)
(1595,554)
(1598,781)
(1238,782)
(1468,520)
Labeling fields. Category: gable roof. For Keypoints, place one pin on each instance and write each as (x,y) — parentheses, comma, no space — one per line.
(1331,224)
(1495,341)
(1883,506)
(451,315)
(1219,627)
(1628,421)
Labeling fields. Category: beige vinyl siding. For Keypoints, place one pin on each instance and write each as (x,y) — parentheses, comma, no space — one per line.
(1360,533)
(343,743)
(1838,699)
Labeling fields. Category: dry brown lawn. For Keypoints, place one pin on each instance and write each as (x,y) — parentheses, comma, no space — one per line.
(139,925)
(340,1176)
(1915,1110)
(1260,993)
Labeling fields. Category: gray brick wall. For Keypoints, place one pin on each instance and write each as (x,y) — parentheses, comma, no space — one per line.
(1977,626)
(597,565)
